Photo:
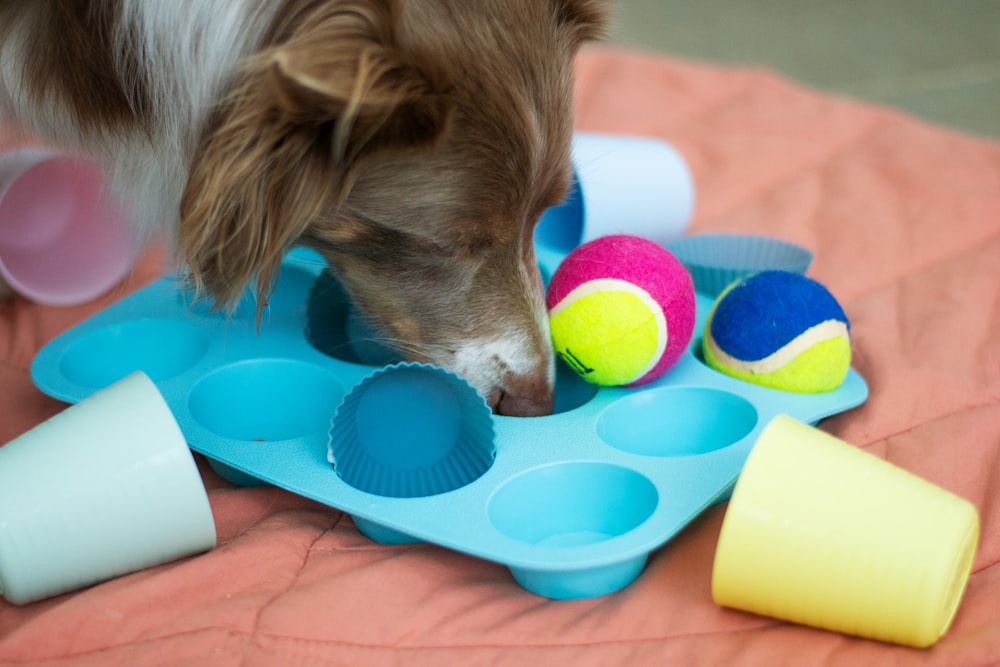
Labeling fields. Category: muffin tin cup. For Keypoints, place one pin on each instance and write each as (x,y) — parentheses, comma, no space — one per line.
(822,533)
(572,503)
(715,261)
(62,241)
(336,327)
(104,488)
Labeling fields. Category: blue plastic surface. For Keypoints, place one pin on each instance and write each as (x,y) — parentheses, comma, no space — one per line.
(572,503)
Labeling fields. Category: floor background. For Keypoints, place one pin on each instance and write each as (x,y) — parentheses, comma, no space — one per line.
(937,59)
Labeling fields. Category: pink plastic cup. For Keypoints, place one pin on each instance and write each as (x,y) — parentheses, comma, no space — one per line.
(62,241)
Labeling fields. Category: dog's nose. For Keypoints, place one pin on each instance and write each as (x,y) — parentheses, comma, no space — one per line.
(517,405)
(525,396)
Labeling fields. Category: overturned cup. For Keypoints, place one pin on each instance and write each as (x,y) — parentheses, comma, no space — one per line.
(62,240)
(621,185)
(822,533)
(104,488)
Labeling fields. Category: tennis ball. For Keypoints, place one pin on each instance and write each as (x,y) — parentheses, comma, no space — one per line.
(781,330)
(621,310)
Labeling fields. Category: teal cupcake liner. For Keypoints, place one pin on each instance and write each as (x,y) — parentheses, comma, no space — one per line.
(411,430)
(717,260)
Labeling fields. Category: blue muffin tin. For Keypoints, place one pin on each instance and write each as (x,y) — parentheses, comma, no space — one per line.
(572,503)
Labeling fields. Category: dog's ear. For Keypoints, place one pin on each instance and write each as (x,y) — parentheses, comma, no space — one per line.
(346,69)
(283,147)
(586,19)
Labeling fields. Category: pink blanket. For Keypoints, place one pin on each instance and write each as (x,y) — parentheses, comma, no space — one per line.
(904,220)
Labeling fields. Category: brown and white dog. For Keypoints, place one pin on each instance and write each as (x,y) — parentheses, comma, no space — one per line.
(414,143)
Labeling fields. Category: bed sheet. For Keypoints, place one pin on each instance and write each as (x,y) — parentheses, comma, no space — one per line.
(904,221)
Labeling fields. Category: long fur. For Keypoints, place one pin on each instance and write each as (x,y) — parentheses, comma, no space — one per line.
(414,143)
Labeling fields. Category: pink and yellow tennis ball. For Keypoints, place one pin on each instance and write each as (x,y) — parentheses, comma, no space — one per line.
(621,310)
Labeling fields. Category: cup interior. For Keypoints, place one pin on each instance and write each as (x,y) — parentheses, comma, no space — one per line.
(161,348)
(335,326)
(62,240)
(677,421)
(572,504)
(571,390)
(263,400)
(560,228)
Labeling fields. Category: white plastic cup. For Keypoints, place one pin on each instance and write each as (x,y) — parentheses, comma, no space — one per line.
(822,533)
(622,185)
(104,488)
(62,240)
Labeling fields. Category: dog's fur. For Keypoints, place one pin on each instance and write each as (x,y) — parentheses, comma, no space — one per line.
(414,143)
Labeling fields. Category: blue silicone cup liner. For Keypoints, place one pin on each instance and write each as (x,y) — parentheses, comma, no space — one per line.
(717,260)
(411,430)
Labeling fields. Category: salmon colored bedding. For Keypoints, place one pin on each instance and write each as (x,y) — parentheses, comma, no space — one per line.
(904,221)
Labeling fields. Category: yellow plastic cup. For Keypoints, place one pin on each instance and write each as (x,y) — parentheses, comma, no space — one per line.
(825,534)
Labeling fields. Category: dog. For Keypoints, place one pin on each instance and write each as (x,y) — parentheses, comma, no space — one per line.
(413,143)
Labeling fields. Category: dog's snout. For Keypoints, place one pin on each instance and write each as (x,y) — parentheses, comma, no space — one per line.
(521,405)
(525,395)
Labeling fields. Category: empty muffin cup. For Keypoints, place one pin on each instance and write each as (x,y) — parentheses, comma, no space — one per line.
(411,430)
(621,185)
(569,505)
(161,348)
(336,327)
(676,421)
(822,533)
(104,488)
(717,260)
(62,240)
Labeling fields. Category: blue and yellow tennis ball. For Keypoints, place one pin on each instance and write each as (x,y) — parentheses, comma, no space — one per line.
(781,330)
(621,310)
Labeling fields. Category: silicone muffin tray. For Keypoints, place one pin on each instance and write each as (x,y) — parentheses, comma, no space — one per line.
(572,503)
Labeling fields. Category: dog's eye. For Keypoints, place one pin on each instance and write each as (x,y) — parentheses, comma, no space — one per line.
(441,249)
(463,250)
